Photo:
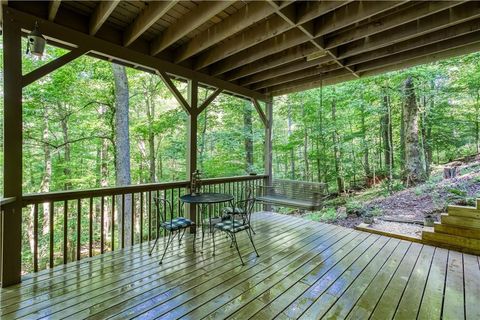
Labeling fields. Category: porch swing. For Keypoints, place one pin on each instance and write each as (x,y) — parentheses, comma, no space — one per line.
(295,194)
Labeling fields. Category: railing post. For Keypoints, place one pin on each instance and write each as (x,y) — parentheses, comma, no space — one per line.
(268,147)
(11,251)
(192,128)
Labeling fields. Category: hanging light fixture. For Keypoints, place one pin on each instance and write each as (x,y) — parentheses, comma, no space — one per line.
(36,42)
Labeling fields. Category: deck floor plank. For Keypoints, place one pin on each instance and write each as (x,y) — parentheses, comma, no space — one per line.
(431,306)
(453,306)
(412,296)
(305,269)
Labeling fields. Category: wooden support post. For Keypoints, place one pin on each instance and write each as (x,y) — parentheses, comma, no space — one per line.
(268,147)
(192,139)
(12,167)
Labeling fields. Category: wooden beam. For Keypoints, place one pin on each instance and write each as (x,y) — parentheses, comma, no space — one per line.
(267,30)
(209,100)
(396,19)
(145,19)
(297,65)
(3,3)
(127,56)
(173,89)
(445,45)
(53,6)
(301,74)
(192,141)
(52,66)
(275,60)
(186,24)
(279,43)
(438,21)
(100,15)
(248,15)
(260,112)
(430,38)
(11,233)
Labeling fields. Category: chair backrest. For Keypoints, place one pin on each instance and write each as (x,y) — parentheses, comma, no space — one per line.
(166,205)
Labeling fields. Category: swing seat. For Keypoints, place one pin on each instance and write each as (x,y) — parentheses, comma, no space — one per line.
(293,194)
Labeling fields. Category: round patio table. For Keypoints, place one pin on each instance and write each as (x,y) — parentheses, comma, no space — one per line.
(205,199)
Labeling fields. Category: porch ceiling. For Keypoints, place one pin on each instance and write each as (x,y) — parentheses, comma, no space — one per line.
(262,48)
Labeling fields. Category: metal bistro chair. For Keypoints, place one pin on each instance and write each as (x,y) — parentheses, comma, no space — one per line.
(232,227)
(174,226)
(247,193)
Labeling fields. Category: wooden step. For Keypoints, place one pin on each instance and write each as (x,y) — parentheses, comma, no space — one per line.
(450,241)
(460,221)
(468,212)
(457,231)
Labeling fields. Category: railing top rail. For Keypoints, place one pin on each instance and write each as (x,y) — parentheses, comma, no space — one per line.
(233,179)
(33,198)
(5,201)
(99,192)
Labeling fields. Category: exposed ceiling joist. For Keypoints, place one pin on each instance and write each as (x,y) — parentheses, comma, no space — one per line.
(279,71)
(350,14)
(53,9)
(430,38)
(419,52)
(341,73)
(392,66)
(301,74)
(149,15)
(100,15)
(275,60)
(279,43)
(337,19)
(400,17)
(264,31)
(438,21)
(192,20)
(250,14)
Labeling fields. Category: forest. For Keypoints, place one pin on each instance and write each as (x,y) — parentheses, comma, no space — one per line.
(93,124)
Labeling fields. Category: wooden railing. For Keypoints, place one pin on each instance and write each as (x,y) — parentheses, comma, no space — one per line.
(66,226)
(5,205)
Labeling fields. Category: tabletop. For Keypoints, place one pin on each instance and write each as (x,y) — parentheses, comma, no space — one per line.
(205,198)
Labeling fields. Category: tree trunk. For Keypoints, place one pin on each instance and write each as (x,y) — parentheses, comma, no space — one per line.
(151,137)
(386,125)
(289,134)
(336,150)
(366,160)
(122,147)
(414,168)
(248,136)
(305,146)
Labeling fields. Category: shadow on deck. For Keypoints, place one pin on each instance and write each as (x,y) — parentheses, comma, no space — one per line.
(306,269)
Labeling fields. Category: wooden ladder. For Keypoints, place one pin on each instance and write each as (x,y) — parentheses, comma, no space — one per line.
(458,229)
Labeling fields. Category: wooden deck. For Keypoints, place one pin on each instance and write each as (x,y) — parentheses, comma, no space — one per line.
(306,270)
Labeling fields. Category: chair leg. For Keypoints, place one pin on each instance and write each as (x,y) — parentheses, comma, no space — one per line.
(194,238)
(155,243)
(213,238)
(236,247)
(251,240)
(169,241)
(181,237)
